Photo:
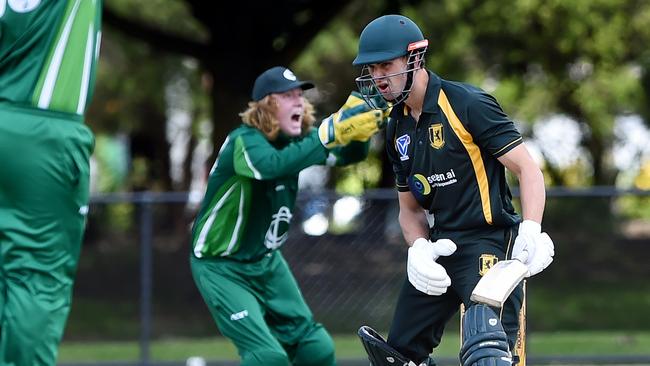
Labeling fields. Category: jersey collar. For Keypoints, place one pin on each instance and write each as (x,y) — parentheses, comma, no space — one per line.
(431,95)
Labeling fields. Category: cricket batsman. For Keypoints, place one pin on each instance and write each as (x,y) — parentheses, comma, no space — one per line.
(48,56)
(449,144)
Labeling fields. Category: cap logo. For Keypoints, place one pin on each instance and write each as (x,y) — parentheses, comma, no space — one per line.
(289,75)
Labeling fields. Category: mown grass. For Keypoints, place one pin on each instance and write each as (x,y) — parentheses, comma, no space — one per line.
(348,346)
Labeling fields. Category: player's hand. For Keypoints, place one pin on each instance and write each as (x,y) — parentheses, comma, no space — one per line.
(354,121)
(423,272)
(533,247)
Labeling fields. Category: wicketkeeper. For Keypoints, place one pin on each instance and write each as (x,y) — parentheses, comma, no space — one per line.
(245,216)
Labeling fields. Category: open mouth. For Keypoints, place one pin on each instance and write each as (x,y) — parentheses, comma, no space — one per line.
(296,117)
(383,88)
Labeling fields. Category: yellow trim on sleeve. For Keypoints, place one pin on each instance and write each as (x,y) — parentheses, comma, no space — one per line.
(508,145)
(473,151)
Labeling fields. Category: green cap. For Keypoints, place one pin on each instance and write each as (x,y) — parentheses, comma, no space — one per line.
(277,79)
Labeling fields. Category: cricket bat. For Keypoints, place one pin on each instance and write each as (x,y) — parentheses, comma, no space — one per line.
(499,281)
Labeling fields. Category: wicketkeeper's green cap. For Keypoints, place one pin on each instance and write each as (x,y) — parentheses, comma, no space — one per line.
(277,79)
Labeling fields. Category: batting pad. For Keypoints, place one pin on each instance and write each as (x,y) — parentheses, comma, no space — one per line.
(379,352)
(485,343)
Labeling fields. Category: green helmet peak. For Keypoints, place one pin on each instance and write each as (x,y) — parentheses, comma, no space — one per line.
(386,38)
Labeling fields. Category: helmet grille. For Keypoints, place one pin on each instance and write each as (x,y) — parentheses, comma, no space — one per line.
(367,84)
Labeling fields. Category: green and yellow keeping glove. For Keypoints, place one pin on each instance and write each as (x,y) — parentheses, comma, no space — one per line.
(354,121)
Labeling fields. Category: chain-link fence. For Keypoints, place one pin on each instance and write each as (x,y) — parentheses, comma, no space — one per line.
(349,257)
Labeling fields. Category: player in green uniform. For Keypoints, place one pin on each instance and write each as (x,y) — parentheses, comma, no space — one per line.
(245,216)
(449,143)
(48,54)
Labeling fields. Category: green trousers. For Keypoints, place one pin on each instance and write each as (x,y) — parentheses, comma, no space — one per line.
(260,308)
(420,319)
(43,204)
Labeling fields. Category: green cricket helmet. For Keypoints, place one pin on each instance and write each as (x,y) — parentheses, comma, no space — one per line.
(386,38)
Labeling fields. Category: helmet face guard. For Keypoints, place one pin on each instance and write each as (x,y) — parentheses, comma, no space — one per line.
(367,84)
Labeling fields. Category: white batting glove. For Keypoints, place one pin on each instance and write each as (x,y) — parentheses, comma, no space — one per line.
(533,248)
(423,272)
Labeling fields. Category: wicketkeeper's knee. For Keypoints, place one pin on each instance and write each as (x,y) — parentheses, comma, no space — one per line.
(265,357)
(315,349)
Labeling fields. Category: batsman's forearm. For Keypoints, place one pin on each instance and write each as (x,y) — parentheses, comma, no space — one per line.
(414,225)
(532,193)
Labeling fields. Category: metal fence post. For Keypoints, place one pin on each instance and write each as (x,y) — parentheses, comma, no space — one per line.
(146,234)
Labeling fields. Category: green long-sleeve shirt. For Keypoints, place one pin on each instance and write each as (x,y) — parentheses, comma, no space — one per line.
(48,53)
(252,190)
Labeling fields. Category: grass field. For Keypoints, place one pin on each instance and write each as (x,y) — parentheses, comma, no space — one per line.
(348,346)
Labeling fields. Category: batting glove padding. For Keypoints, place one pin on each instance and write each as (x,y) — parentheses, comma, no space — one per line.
(533,248)
(423,272)
(354,121)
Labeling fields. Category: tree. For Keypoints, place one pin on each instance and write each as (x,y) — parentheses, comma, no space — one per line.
(584,59)
(241,40)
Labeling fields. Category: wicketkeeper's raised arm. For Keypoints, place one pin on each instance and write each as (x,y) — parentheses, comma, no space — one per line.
(255,157)
(354,121)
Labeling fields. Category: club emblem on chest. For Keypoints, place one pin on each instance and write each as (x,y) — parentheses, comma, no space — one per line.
(402,144)
(436,136)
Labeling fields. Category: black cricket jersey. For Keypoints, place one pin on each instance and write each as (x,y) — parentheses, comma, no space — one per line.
(448,159)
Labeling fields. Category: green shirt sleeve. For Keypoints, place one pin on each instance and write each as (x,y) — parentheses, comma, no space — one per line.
(352,153)
(255,157)
(492,129)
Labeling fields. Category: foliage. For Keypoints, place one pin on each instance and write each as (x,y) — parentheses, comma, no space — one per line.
(581,58)
(172,15)
(130,100)
(584,59)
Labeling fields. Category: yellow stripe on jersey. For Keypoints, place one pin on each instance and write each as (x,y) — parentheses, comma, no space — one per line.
(473,151)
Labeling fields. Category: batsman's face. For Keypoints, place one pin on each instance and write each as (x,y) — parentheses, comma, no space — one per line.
(291,107)
(389,77)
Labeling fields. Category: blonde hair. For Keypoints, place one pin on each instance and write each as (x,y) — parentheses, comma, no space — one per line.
(261,115)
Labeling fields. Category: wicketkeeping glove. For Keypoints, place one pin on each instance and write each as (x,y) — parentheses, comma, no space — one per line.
(354,121)
(533,247)
(423,272)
